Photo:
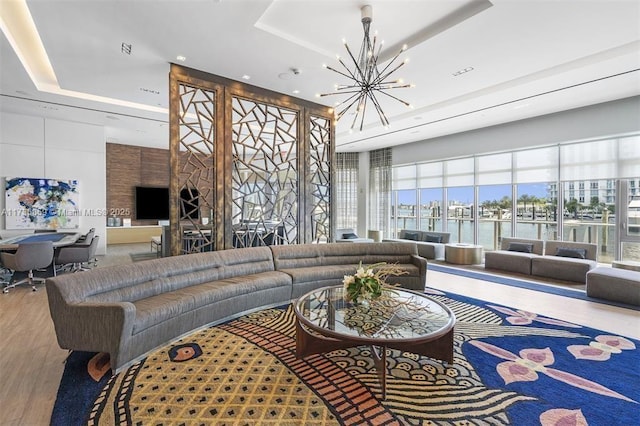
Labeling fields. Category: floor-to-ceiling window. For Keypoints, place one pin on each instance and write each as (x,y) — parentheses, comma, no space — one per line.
(493,180)
(429,178)
(535,175)
(459,181)
(585,168)
(558,192)
(404,201)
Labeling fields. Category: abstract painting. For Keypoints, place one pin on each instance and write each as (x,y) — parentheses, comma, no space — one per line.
(41,203)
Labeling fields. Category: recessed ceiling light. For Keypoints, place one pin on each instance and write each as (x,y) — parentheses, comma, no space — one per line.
(296,91)
(181,58)
(246,77)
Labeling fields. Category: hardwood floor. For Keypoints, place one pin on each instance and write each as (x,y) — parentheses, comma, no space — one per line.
(31,363)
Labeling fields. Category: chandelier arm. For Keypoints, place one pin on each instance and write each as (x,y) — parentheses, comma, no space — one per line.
(355,99)
(396,98)
(382,77)
(352,74)
(402,86)
(354,61)
(340,72)
(384,70)
(364,110)
(381,114)
(340,93)
(353,123)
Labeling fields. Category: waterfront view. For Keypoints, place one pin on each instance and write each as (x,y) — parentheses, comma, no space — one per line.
(600,230)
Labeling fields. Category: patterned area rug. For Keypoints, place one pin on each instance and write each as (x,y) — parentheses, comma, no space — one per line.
(510,367)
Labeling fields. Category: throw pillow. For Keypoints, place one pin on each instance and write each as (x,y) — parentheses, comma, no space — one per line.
(411,236)
(349,236)
(575,253)
(521,247)
(433,238)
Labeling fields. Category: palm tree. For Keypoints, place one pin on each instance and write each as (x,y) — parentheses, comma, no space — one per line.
(524,199)
(572,207)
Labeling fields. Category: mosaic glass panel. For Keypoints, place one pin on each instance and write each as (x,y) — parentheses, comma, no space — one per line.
(264,174)
(320,174)
(197,160)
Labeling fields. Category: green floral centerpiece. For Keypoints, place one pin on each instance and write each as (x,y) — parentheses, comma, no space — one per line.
(368,281)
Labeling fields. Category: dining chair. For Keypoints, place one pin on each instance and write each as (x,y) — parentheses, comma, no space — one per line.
(76,257)
(28,257)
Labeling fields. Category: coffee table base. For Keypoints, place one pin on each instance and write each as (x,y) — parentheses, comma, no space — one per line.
(313,343)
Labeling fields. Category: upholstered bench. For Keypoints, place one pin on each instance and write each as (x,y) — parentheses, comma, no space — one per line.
(430,243)
(615,284)
(515,255)
(565,260)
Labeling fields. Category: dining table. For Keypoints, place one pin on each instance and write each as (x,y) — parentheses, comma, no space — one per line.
(59,239)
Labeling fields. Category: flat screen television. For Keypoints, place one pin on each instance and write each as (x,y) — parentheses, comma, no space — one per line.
(152,203)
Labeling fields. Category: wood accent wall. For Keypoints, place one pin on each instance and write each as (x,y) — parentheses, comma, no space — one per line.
(130,166)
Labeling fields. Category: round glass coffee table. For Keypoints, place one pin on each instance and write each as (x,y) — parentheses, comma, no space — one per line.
(400,319)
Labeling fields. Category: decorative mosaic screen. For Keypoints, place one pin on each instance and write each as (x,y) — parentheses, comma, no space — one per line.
(264,174)
(197,177)
(320,173)
(249,166)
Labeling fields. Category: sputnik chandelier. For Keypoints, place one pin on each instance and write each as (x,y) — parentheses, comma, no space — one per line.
(367,80)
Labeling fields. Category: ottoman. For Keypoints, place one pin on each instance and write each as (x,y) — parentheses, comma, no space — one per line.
(617,285)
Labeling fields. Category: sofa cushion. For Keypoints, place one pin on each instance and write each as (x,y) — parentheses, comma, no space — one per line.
(575,253)
(349,236)
(413,236)
(512,261)
(562,268)
(433,238)
(154,310)
(520,247)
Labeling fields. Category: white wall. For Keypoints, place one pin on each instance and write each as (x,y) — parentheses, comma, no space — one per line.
(601,120)
(43,147)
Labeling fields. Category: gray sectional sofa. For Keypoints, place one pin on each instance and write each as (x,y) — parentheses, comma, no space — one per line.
(430,243)
(132,309)
(559,260)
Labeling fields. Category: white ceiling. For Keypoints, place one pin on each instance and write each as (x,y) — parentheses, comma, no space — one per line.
(528,57)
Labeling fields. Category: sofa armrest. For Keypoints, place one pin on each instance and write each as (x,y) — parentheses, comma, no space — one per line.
(92,326)
(421,263)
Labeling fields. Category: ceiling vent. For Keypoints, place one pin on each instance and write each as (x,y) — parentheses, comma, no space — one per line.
(125,48)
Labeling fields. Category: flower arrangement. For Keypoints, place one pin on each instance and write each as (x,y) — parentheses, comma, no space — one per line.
(368,282)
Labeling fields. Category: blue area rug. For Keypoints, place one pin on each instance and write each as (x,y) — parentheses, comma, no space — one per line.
(510,367)
(514,282)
